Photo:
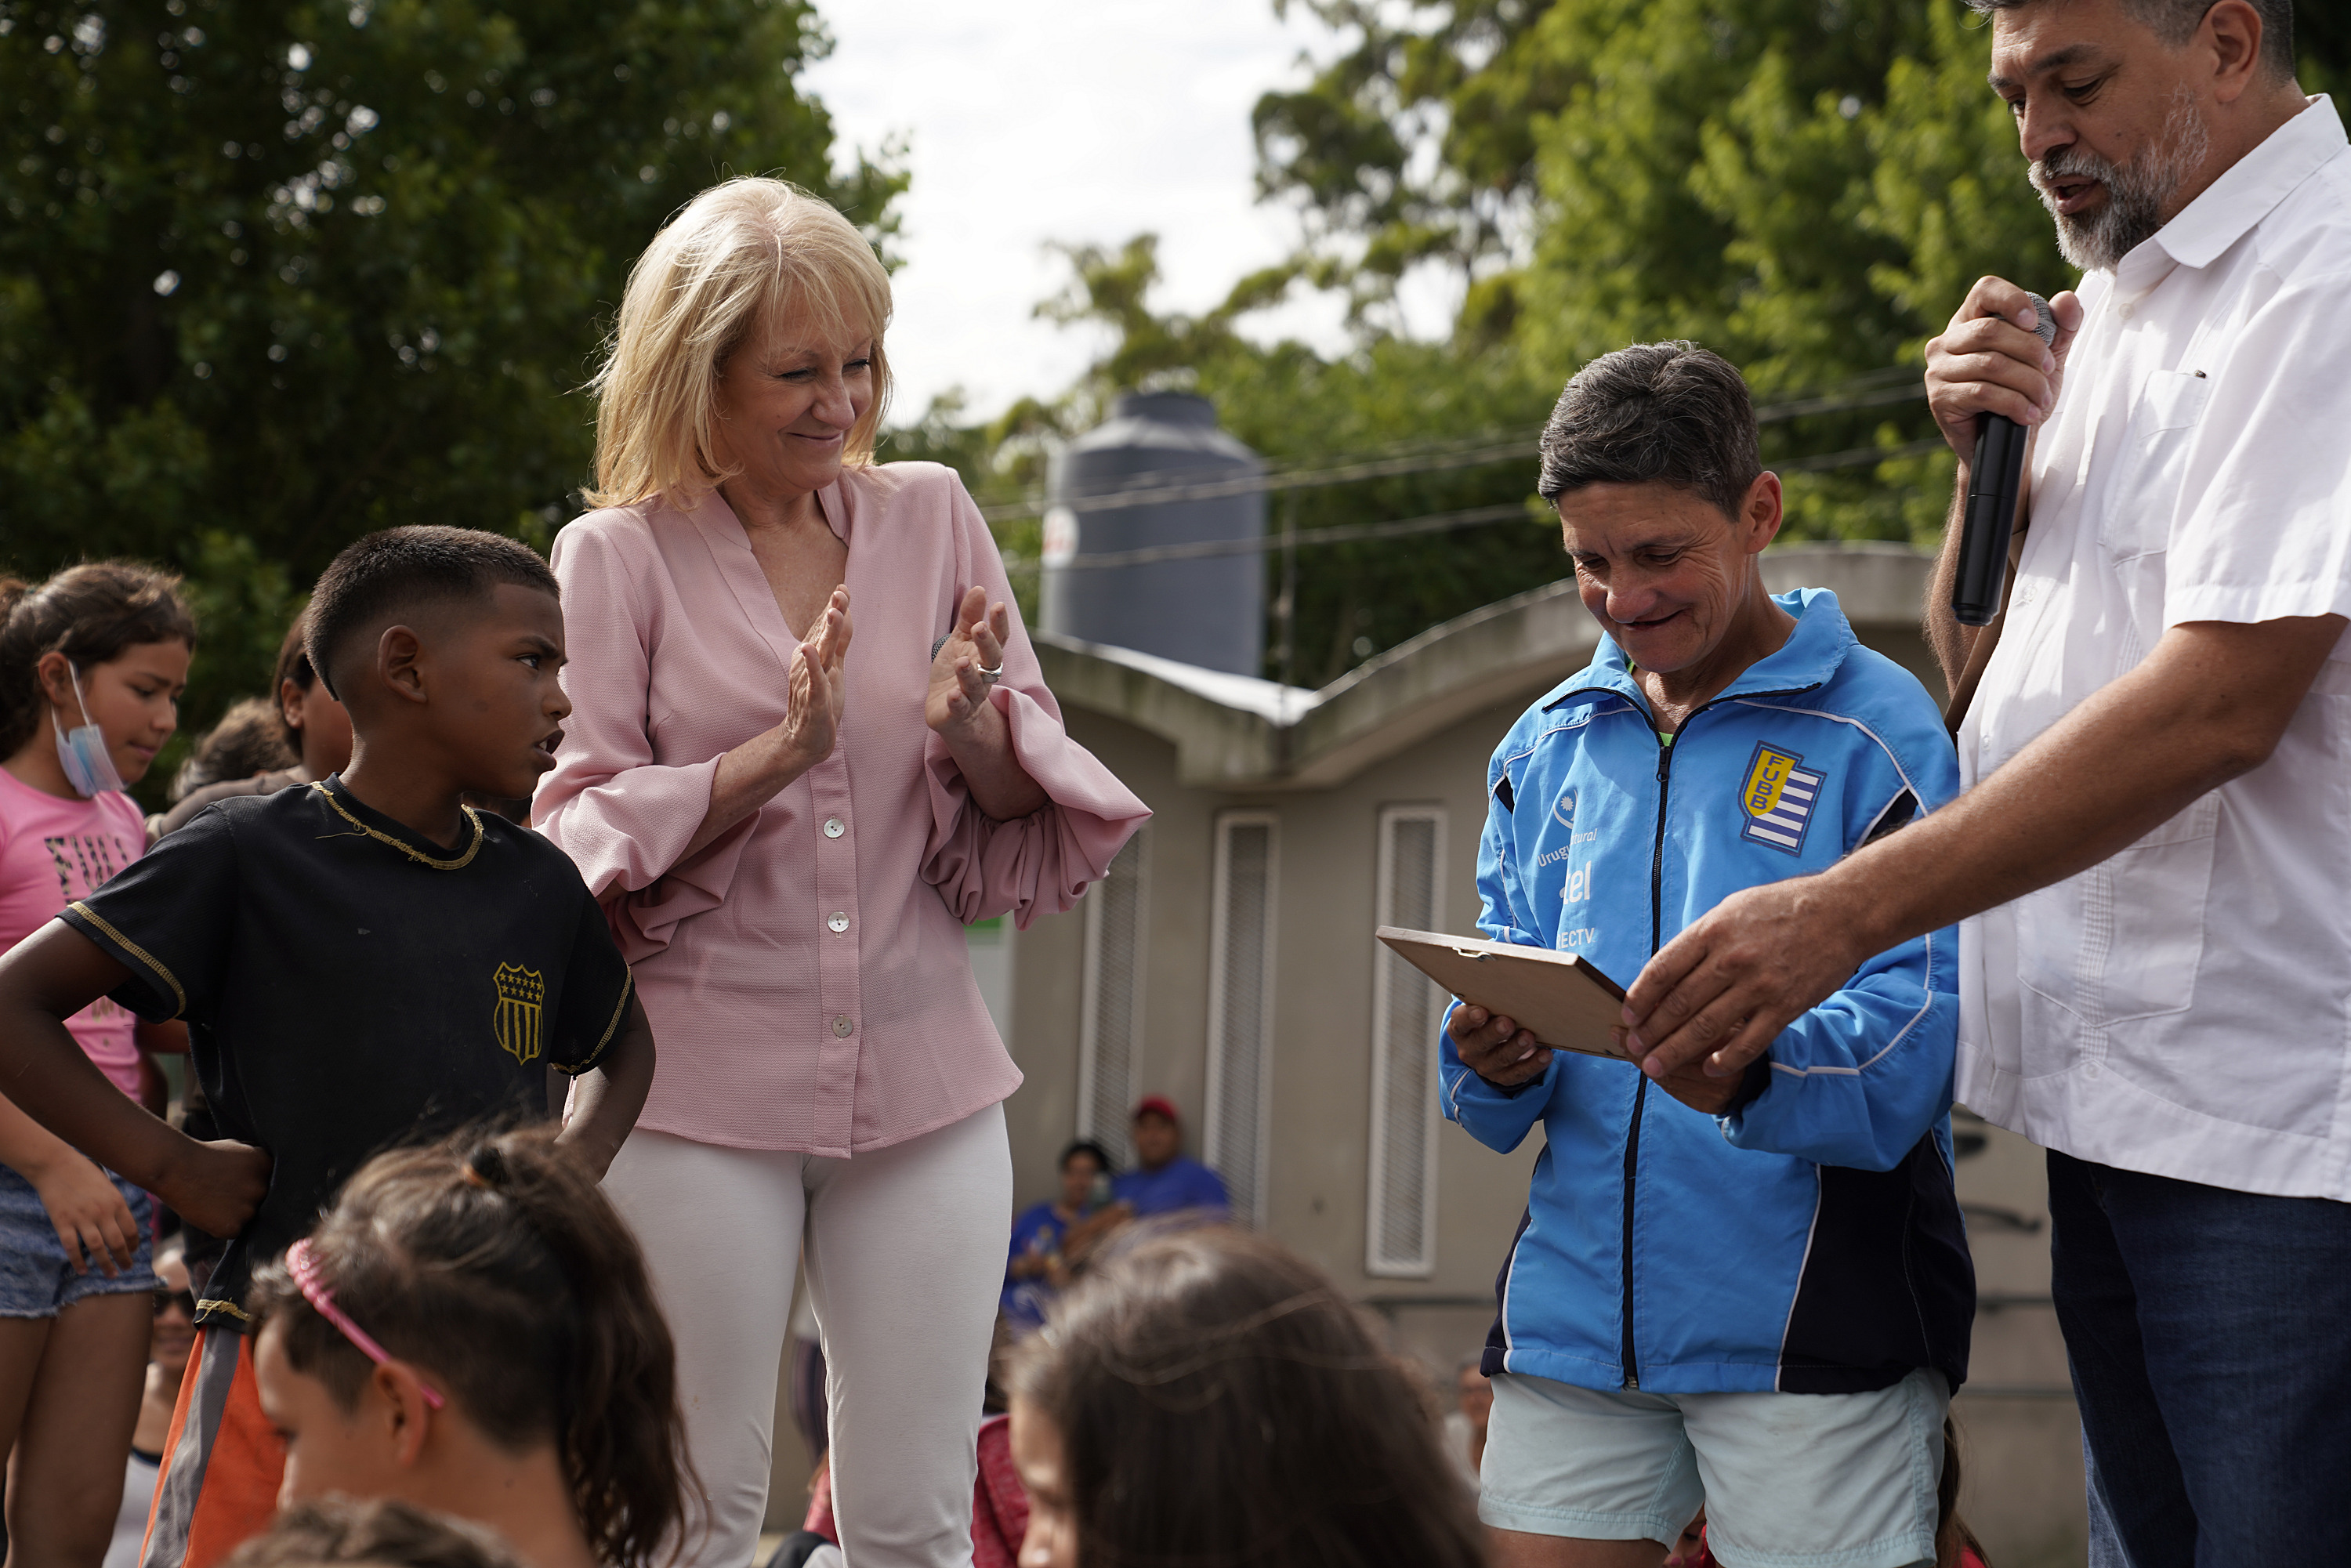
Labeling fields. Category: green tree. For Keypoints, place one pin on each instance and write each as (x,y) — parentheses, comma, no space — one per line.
(1415,141)
(275,275)
(1298,408)
(1807,188)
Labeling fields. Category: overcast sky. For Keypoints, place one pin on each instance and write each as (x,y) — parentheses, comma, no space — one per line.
(1059,120)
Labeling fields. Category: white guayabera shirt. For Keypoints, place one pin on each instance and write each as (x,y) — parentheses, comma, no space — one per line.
(2185,1008)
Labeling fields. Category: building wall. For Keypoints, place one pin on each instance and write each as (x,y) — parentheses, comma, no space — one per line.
(1319,1101)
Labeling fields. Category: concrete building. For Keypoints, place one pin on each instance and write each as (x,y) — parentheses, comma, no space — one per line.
(1228,962)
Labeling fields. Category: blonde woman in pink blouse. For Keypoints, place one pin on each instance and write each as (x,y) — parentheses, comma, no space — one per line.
(790,828)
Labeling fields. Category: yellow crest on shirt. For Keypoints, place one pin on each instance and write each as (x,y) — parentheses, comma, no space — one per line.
(522,993)
(1766,777)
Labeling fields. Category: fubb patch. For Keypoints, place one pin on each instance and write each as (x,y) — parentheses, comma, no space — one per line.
(1778,798)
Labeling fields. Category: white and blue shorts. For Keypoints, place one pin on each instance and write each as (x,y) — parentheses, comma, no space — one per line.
(1788,1480)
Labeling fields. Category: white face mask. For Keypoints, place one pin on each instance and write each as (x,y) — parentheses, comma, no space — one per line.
(82,750)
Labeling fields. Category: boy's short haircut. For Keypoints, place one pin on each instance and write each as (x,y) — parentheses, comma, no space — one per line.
(1672,414)
(395,572)
(382,1533)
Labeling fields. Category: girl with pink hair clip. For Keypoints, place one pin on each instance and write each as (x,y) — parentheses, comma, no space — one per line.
(471,1329)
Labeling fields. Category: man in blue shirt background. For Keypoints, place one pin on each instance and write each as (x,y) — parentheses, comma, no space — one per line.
(1036,1272)
(1166,1180)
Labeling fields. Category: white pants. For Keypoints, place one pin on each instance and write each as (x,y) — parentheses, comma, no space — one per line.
(905,1259)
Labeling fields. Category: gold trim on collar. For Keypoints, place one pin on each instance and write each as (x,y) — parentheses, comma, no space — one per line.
(239,1314)
(408,850)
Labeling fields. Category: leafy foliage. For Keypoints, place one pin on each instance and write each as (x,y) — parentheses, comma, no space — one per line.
(1807,186)
(272,275)
(1297,408)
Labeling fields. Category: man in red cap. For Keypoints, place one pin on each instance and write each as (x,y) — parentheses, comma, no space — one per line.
(1166,1180)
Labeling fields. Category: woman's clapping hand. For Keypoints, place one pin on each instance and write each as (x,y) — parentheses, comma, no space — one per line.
(968,660)
(959,693)
(818,691)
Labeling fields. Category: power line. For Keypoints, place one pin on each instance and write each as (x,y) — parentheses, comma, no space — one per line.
(1854,456)
(1915,387)
(1345,533)
(1152,495)
(1433,523)
(1876,388)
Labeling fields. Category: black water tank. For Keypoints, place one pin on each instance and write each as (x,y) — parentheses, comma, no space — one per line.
(1209,611)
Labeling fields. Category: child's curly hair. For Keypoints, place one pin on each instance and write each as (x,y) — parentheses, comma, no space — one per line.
(383,1533)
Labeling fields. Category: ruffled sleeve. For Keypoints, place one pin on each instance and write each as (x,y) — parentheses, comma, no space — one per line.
(624,819)
(1040,864)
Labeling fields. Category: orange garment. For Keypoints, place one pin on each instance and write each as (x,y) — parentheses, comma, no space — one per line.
(223,1461)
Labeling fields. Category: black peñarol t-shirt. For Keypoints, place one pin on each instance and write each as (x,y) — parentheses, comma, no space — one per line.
(350,987)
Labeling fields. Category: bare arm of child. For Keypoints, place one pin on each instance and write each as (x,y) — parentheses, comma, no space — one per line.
(93,1224)
(46,978)
(606,1100)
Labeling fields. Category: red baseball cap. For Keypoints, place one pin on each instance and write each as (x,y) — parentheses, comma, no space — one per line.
(1155,1105)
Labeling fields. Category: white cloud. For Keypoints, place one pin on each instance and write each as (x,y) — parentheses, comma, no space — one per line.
(1060,119)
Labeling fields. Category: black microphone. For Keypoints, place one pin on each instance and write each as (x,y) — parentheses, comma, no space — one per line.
(1993,480)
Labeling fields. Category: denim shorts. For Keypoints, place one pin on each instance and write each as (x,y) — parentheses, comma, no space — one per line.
(1788,1480)
(37,1279)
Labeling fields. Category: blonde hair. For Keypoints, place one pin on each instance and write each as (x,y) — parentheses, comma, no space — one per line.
(743,256)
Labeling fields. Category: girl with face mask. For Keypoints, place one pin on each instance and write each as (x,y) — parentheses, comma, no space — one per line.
(92,664)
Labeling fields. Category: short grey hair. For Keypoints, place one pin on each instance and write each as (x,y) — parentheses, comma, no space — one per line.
(2175,21)
(1671,414)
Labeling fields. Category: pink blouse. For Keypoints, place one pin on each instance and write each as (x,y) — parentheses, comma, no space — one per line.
(806,975)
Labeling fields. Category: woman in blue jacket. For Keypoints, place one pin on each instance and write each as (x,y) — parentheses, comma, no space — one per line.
(1752,1291)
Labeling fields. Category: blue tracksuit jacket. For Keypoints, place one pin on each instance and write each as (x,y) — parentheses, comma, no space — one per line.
(1810,1241)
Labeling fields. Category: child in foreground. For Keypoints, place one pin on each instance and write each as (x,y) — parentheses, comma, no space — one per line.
(471,1330)
(363,964)
(1209,1400)
(380,1534)
(91,665)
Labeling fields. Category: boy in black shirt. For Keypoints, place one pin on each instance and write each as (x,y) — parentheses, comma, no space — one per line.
(362,962)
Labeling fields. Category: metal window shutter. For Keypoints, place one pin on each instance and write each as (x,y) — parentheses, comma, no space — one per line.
(1240,1006)
(1400,1231)
(1110,1035)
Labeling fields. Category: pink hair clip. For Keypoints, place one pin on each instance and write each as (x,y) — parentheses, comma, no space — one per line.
(305,1269)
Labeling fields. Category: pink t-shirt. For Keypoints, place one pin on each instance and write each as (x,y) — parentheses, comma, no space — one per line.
(53,852)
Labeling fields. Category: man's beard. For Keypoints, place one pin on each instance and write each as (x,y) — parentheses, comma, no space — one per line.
(2137,191)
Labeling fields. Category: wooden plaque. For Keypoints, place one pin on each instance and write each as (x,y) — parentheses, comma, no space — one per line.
(1569,1003)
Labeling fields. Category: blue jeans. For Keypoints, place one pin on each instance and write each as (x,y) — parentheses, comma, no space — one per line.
(2208,1332)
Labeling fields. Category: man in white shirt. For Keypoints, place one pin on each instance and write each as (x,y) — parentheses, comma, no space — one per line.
(2152,858)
